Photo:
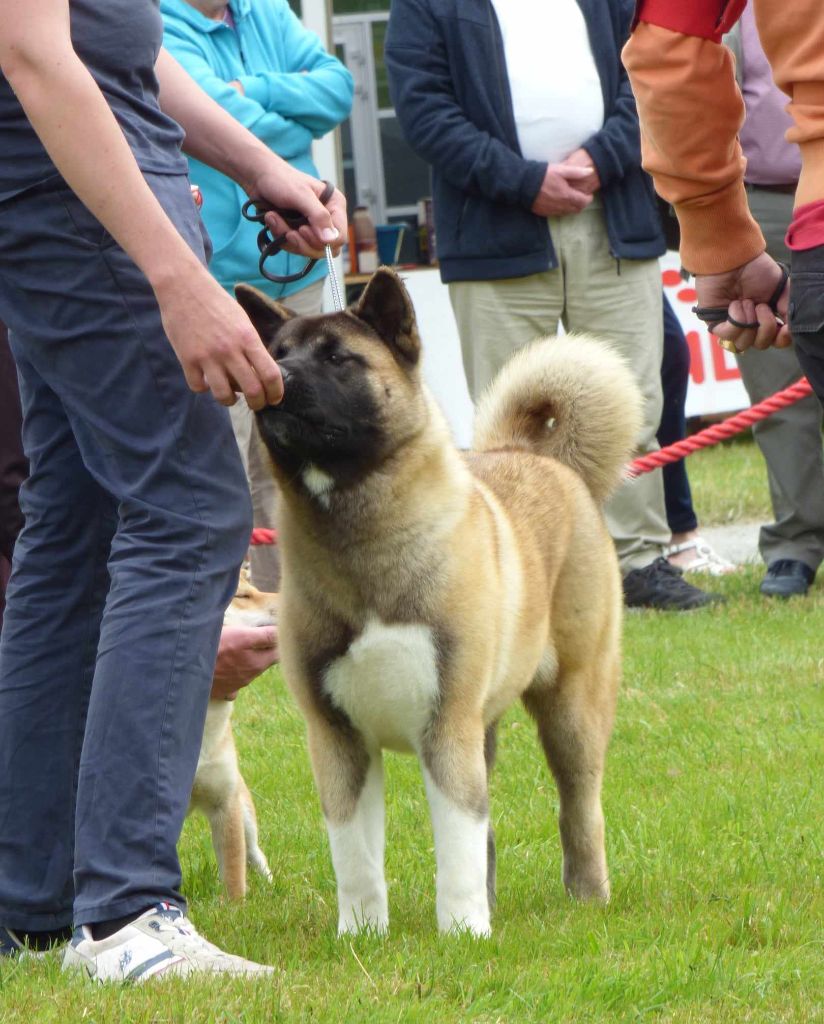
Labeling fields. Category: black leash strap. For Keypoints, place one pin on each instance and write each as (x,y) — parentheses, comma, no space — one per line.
(712,316)
(269,246)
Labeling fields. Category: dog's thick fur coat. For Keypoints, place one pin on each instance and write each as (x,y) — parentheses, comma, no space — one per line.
(425,590)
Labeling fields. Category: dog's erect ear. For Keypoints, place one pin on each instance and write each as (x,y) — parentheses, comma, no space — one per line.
(386,307)
(266,315)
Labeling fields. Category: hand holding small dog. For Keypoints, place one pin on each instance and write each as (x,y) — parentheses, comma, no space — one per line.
(243,654)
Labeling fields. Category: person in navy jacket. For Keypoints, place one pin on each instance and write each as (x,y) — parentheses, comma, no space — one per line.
(542,211)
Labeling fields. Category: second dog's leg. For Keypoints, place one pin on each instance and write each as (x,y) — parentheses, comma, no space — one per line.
(255,857)
(230,845)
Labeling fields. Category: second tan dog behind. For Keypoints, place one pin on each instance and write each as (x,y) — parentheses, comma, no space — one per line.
(425,590)
(219,790)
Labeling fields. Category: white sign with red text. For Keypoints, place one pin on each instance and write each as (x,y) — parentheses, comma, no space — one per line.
(715,383)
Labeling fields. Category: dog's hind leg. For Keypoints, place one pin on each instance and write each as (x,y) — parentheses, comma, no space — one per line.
(490,748)
(574,718)
(454,772)
(255,857)
(350,782)
(229,842)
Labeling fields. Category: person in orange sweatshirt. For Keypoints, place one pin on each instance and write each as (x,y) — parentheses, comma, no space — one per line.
(691,110)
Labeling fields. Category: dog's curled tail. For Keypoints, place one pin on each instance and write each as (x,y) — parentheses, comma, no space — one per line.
(571,398)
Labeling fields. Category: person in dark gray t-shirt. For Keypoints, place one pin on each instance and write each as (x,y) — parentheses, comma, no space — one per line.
(136,510)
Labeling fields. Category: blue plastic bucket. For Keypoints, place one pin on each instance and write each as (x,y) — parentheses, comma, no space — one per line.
(390,237)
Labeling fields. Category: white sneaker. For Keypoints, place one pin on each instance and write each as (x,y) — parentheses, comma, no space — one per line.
(160,942)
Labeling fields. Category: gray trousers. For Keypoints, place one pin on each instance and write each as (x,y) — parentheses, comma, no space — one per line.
(586,293)
(136,521)
(789,440)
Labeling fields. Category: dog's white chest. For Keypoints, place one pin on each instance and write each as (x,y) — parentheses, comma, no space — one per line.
(387,683)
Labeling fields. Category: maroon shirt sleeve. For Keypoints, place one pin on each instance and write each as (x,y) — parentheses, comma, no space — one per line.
(708,19)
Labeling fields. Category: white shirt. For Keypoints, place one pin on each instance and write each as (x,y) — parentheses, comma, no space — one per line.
(556,91)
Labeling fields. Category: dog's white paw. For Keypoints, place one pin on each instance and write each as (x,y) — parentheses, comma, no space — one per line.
(362,918)
(475,922)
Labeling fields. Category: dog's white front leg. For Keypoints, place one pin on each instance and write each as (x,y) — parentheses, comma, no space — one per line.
(461,856)
(357,855)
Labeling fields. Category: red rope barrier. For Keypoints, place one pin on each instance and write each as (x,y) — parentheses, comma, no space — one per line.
(260,535)
(673,452)
(720,431)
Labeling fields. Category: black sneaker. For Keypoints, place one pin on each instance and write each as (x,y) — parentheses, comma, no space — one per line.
(662,585)
(787,577)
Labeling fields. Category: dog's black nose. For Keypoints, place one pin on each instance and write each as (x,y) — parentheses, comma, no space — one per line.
(286,375)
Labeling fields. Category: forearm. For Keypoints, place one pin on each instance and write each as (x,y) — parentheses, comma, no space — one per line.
(212,134)
(793,40)
(319,99)
(89,150)
(690,112)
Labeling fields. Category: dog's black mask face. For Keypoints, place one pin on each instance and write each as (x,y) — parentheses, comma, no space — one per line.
(349,379)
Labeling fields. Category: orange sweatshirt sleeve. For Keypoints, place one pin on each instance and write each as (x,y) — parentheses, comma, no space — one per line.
(690,111)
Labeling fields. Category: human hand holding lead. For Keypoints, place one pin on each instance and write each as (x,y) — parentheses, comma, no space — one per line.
(746,292)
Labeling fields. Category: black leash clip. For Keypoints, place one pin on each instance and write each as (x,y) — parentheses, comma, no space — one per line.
(712,316)
(269,246)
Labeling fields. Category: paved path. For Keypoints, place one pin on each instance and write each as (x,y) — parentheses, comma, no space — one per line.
(737,541)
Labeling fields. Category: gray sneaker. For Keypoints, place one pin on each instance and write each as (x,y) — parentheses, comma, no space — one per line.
(160,942)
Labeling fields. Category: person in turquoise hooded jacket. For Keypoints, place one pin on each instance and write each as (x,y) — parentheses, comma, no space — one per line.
(256,59)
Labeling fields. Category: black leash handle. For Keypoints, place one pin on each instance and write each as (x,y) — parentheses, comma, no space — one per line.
(269,246)
(712,316)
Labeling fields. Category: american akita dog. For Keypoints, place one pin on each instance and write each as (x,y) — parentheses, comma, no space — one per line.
(220,790)
(425,590)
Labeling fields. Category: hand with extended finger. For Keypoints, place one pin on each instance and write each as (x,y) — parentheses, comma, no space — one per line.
(755,298)
(562,191)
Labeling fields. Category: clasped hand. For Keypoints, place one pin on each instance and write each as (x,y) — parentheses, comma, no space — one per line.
(568,187)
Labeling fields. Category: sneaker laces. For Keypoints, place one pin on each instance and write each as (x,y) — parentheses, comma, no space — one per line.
(187,939)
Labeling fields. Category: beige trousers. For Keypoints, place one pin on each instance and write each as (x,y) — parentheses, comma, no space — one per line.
(591,292)
(263,558)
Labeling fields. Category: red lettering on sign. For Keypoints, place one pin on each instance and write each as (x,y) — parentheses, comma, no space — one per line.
(720,364)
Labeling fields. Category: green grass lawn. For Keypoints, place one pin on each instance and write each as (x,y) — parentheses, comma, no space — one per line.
(729,483)
(715,832)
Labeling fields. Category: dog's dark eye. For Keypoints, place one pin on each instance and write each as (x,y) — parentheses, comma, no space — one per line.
(332,354)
